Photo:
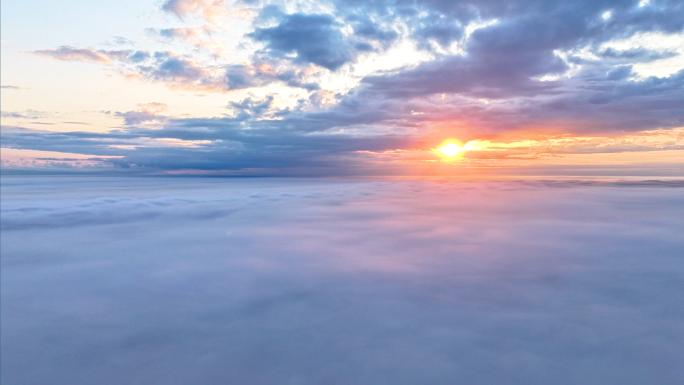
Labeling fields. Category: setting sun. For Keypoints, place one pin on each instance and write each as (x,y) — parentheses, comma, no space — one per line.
(451,149)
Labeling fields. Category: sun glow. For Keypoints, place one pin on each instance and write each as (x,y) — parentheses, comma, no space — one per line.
(451,149)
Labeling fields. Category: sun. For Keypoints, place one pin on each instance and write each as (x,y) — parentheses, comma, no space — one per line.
(450,150)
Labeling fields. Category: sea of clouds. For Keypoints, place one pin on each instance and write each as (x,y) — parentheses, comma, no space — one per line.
(124,280)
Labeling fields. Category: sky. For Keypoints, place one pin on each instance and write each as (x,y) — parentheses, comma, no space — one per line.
(170,280)
(343,87)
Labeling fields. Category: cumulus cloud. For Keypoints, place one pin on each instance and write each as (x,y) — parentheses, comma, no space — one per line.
(174,68)
(310,39)
(265,71)
(251,108)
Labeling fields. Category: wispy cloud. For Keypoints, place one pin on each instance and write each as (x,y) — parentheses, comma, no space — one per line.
(211,10)
(28,114)
(8,87)
(82,54)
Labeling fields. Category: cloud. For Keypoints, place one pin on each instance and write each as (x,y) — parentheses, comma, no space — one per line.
(8,87)
(636,55)
(28,114)
(32,161)
(265,71)
(250,108)
(198,37)
(249,280)
(181,71)
(148,112)
(260,137)
(120,40)
(211,10)
(175,68)
(139,56)
(365,28)
(182,33)
(307,39)
(82,54)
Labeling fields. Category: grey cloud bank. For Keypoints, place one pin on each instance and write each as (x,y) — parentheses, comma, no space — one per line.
(262,281)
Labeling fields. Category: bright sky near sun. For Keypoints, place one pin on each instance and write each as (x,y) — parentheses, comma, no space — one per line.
(339,87)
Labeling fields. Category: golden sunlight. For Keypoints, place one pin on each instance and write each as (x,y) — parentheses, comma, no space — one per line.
(451,149)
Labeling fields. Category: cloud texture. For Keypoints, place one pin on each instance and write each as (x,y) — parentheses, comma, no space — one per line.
(191,280)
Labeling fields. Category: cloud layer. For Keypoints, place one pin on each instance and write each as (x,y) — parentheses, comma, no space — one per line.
(194,280)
